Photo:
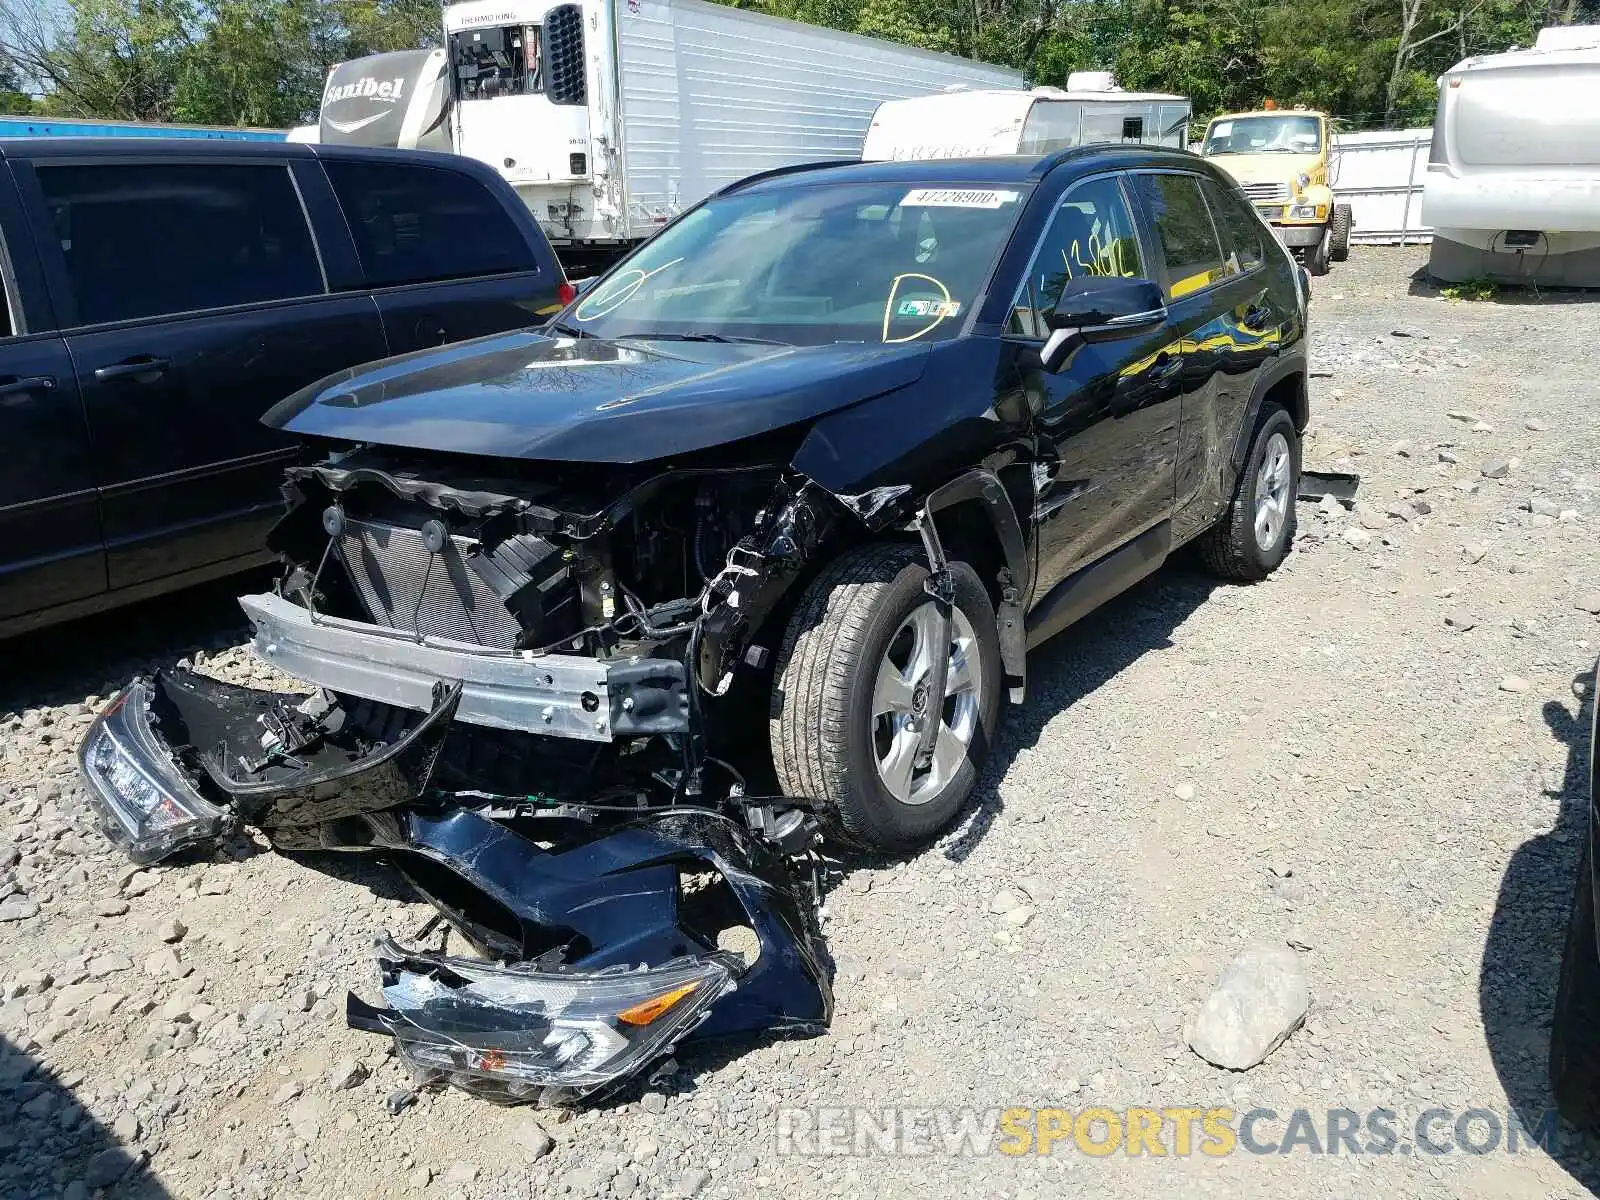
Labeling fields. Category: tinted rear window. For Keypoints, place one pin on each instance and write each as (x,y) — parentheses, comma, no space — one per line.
(1183,227)
(415,223)
(1239,226)
(149,239)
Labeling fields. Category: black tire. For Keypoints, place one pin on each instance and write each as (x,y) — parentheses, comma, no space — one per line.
(1339,233)
(1575,1027)
(821,725)
(1317,256)
(1230,548)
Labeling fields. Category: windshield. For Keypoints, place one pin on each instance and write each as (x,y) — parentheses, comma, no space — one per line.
(1290,133)
(809,265)
(496,62)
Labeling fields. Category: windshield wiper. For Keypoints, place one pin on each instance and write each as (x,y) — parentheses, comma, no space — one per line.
(664,335)
(569,330)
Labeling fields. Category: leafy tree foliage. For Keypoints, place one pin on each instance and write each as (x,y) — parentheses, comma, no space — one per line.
(263,62)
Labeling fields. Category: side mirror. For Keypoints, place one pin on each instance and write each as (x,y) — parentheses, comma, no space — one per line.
(1099,308)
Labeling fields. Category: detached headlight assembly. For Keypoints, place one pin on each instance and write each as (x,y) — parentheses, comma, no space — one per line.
(513,1034)
(146,806)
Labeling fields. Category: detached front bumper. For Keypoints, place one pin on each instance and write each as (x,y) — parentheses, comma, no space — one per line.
(601,942)
(621,962)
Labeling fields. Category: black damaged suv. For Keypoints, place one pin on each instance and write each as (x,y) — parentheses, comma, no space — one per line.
(831,451)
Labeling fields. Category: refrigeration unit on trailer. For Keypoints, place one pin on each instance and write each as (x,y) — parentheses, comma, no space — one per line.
(610,117)
(1513,181)
(959,124)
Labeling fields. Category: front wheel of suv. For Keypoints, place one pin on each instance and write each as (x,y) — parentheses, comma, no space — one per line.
(1255,532)
(851,697)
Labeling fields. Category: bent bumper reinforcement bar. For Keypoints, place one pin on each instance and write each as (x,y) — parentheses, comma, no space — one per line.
(563,695)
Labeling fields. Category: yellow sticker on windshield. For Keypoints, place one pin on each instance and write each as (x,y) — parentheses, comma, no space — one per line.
(957,198)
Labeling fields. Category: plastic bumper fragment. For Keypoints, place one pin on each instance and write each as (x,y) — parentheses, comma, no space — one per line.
(603,922)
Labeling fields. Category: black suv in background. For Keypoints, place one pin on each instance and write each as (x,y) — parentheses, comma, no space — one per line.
(160,296)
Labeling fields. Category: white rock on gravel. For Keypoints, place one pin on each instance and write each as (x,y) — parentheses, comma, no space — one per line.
(1006,900)
(18,908)
(347,1073)
(534,1139)
(459,1174)
(1357,537)
(1261,998)
(1513,683)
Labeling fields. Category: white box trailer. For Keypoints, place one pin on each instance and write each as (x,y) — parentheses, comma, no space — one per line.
(965,124)
(1513,178)
(610,117)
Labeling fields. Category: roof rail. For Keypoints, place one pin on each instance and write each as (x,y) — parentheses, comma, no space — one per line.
(791,169)
(1051,161)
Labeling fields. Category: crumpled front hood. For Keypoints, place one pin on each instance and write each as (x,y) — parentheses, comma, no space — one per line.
(529,395)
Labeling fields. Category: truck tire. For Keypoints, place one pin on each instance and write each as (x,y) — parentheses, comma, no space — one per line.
(1317,256)
(847,696)
(1255,532)
(1575,1026)
(1339,233)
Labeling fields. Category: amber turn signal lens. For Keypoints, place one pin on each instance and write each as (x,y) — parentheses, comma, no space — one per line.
(648,1010)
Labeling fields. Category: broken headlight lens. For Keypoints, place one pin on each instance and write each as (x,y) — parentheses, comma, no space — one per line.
(515,1034)
(146,806)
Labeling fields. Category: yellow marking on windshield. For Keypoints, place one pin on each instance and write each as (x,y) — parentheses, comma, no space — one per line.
(944,309)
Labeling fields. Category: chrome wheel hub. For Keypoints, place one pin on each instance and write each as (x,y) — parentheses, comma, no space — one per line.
(1272,493)
(902,704)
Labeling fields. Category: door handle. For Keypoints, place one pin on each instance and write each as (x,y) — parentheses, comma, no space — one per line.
(1167,365)
(144,369)
(28,383)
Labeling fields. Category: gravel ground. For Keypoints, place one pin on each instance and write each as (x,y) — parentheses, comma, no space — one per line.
(1374,757)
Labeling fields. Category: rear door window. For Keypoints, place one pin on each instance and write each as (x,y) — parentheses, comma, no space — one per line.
(1183,227)
(1241,229)
(156,238)
(415,224)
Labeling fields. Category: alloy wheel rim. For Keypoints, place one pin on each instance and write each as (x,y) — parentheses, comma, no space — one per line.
(1272,493)
(901,704)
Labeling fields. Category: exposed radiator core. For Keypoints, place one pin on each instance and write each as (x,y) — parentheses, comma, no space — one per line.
(404,587)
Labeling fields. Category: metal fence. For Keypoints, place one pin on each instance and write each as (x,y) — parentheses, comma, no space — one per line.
(1380,175)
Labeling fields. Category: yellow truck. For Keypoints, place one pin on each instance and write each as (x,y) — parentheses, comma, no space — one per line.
(1282,159)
